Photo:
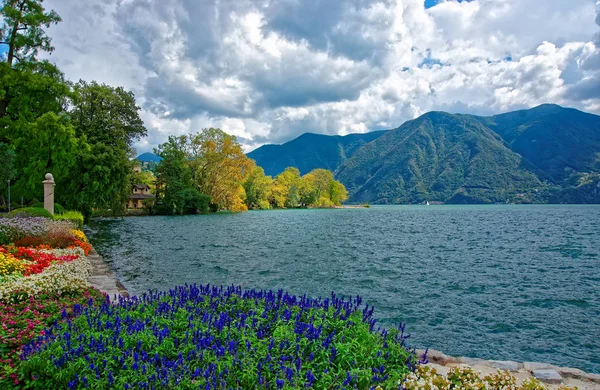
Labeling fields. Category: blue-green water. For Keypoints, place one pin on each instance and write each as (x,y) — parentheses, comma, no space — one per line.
(495,282)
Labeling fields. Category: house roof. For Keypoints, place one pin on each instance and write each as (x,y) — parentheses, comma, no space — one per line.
(141,186)
(141,196)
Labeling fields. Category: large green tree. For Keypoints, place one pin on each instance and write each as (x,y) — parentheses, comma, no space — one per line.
(23,34)
(108,120)
(174,182)
(46,145)
(105,114)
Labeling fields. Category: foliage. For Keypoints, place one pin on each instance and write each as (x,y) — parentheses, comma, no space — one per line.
(58,209)
(427,378)
(173,176)
(23,321)
(216,337)
(258,189)
(82,130)
(75,217)
(30,212)
(219,167)
(211,162)
(22,29)
(106,115)
(144,177)
(7,168)
(317,188)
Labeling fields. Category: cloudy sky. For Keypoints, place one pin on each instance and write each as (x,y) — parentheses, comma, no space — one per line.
(270,70)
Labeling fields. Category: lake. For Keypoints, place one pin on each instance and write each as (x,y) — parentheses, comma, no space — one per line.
(493,282)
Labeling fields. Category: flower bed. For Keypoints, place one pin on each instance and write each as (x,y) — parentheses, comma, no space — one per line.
(211,337)
(58,277)
(24,321)
(43,279)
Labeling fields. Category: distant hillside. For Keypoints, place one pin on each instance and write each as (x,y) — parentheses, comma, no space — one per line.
(437,157)
(147,157)
(558,141)
(311,151)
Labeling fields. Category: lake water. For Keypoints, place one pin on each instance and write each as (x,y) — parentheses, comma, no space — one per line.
(494,282)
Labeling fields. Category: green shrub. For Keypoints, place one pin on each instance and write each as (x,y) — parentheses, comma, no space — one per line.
(74,216)
(30,212)
(58,209)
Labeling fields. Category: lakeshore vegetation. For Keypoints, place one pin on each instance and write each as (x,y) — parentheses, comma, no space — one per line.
(85,130)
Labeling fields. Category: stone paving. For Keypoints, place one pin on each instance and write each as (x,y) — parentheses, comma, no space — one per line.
(104,279)
(552,376)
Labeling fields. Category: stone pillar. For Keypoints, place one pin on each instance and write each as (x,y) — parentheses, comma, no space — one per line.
(49,193)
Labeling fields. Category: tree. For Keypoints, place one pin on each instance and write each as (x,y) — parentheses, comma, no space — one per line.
(108,120)
(258,189)
(46,145)
(322,190)
(22,32)
(291,182)
(102,180)
(174,176)
(219,167)
(7,168)
(106,115)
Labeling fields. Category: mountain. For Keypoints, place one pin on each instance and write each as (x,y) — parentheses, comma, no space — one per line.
(438,157)
(559,142)
(311,151)
(147,157)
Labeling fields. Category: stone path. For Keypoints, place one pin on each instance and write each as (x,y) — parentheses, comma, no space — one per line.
(552,376)
(104,279)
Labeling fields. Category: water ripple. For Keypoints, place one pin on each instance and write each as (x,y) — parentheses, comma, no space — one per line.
(501,282)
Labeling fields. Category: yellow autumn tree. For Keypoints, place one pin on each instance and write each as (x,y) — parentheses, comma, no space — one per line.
(219,168)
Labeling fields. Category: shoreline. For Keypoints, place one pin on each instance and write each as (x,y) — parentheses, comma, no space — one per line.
(105,280)
(551,375)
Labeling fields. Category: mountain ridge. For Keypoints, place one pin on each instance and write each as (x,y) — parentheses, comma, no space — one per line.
(310,151)
(546,153)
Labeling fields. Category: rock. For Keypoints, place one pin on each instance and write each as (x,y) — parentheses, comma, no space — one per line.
(471,361)
(437,356)
(568,372)
(506,365)
(591,377)
(547,375)
(530,366)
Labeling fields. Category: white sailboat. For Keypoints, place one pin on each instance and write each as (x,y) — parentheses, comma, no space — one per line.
(426,203)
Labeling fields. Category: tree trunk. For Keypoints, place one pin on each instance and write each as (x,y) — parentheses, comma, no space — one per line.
(11,56)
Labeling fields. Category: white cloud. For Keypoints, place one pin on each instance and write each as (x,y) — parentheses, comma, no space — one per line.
(269,70)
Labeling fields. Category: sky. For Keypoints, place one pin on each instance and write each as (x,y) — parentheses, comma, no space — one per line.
(267,71)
